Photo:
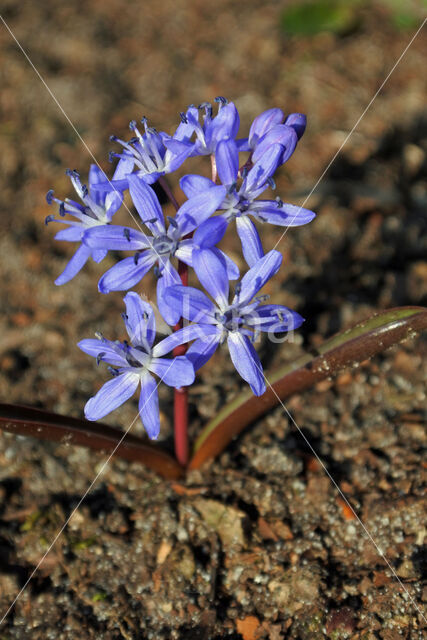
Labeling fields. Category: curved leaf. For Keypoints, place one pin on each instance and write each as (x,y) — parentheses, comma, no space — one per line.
(26,421)
(344,349)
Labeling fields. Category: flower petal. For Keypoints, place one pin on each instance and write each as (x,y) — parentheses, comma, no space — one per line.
(263,123)
(258,275)
(246,361)
(70,234)
(210,232)
(178,372)
(190,303)
(168,278)
(111,395)
(203,349)
(263,169)
(149,406)
(96,175)
(274,317)
(193,184)
(185,251)
(211,271)
(283,215)
(115,237)
(98,255)
(147,204)
(76,263)
(227,161)
(251,243)
(199,208)
(104,350)
(298,122)
(140,321)
(182,336)
(233,272)
(279,134)
(224,125)
(125,274)
(123,168)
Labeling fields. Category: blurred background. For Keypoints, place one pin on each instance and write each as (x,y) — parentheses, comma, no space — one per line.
(110,61)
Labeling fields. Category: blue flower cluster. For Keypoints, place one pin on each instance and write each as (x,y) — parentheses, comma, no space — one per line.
(190,237)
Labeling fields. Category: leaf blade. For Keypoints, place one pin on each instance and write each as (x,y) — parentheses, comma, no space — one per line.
(359,343)
(44,425)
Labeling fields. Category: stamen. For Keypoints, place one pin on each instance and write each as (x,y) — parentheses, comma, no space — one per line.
(132,125)
(279,202)
(280,316)
(237,289)
(208,109)
(262,298)
(172,222)
(124,316)
(72,173)
(145,315)
(156,271)
(136,257)
(62,209)
(111,156)
(113,138)
(244,172)
(99,335)
(271,182)
(85,190)
(49,196)
(183,117)
(221,100)
(99,357)
(134,140)
(114,372)
(231,188)
(126,233)
(49,219)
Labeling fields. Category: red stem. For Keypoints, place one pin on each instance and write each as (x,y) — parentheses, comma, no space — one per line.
(181,394)
(180,410)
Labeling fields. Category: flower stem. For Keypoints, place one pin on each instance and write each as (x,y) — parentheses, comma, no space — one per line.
(181,394)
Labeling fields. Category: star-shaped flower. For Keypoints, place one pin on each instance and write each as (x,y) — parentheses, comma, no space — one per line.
(97,210)
(133,365)
(240,202)
(237,322)
(161,247)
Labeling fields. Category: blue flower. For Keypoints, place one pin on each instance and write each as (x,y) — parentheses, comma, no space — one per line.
(133,364)
(97,210)
(240,202)
(271,128)
(213,129)
(153,154)
(158,249)
(239,322)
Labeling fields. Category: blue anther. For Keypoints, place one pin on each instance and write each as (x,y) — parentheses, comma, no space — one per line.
(99,357)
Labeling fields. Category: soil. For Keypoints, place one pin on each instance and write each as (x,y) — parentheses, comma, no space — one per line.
(259,543)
